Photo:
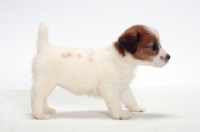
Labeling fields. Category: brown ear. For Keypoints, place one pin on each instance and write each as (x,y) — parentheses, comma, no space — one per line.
(129,42)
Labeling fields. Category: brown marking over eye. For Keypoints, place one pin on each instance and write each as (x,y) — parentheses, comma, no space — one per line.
(144,43)
(67,55)
(144,51)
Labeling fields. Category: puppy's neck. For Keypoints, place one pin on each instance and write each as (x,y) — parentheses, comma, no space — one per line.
(123,55)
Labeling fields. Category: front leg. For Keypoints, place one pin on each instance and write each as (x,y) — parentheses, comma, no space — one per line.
(112,99)
(129,101)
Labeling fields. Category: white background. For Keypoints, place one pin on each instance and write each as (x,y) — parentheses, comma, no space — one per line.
(95,24)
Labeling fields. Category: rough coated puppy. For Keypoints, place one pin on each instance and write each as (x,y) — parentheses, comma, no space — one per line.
(106,73)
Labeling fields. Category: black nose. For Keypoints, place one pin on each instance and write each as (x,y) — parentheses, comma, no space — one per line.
(168,56)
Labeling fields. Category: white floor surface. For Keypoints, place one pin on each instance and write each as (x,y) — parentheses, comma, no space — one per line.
(169,109)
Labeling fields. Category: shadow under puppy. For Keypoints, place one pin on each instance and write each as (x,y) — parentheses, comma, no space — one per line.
(105,73)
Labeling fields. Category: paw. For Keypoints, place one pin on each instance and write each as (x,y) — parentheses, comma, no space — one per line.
(121,116)
(43,117)
(50,111)
(138,109)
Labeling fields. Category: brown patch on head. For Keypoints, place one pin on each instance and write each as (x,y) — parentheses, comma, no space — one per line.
(139,41)
(67,55)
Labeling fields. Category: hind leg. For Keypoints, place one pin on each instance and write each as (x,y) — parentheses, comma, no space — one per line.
(40,91)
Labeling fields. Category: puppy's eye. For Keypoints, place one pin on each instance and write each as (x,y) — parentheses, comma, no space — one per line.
(154,47)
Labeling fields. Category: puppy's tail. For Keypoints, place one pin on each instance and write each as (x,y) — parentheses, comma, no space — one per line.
(42,40)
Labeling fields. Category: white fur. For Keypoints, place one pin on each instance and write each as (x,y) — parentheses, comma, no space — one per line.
(159,60)
(102,73)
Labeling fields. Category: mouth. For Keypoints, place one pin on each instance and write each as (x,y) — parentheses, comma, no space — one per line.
(159,65)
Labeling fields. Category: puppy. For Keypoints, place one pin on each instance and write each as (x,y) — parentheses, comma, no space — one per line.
(105,73)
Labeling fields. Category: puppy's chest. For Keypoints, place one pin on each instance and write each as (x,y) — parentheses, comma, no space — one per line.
(126,76)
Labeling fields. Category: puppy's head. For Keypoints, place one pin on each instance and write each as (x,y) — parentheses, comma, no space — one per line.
(143,44)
